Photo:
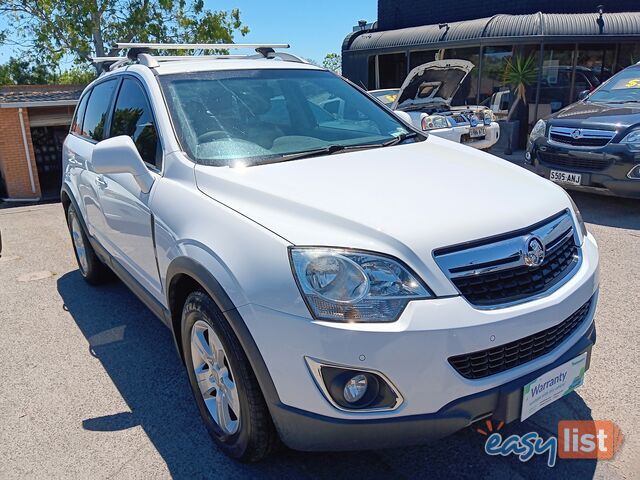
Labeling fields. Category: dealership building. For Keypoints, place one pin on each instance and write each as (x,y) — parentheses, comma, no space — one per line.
(573,46)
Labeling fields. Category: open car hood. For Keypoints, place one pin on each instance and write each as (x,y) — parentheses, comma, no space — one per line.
(433,82)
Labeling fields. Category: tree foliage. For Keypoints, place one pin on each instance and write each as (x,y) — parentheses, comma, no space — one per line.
(23,72)
(333,62)
(52,29)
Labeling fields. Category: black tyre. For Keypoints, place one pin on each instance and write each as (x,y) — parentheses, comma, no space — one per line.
(223,383)
(91,267)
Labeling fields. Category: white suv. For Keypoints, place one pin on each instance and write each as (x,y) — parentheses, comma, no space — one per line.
(333,278)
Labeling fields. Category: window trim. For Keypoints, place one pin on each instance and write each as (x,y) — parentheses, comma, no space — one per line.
(122,77)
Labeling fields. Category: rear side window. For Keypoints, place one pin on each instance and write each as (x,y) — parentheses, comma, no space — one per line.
(76,125)
(133,117)
(96,114)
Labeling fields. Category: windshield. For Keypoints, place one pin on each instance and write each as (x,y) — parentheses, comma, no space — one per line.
(225,118)
(621,88)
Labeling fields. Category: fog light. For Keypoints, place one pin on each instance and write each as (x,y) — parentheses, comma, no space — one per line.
(355,388)
(527,156)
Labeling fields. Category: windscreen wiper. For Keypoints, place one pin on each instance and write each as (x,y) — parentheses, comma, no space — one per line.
(331,149)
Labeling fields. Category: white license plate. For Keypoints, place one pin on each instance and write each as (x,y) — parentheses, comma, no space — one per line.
(475,132)
(551,386)
(565,177)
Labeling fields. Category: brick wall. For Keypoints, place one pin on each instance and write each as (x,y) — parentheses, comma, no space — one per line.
(410,13)
(13,162)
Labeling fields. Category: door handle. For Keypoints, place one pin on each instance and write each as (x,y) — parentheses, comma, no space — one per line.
(100,182)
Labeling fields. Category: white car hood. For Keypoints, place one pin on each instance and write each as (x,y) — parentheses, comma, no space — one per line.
(405,200)
(433,82)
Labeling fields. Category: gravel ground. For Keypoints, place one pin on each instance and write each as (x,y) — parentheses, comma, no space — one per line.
(92,387)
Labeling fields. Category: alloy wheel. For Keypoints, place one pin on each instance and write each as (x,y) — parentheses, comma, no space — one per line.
(215,377)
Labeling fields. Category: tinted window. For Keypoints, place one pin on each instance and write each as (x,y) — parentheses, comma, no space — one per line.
(96,114)
(132,116)
(76,125)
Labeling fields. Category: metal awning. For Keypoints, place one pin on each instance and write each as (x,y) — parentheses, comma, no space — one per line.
(501,27)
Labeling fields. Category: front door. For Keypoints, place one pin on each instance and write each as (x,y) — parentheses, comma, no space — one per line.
(128,221)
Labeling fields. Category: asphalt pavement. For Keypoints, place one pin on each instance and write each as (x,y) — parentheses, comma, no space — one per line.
(91,386)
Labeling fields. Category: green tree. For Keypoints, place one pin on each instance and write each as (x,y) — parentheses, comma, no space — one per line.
(22,72)
(84,28)
(76,76)
(333,62)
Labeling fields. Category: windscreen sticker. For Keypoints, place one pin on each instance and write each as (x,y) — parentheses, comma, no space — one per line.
(633,83)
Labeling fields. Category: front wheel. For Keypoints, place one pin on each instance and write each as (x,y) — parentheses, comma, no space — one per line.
(90,266)
(224,386)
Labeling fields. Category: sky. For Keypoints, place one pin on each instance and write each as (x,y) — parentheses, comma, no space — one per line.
(312,28)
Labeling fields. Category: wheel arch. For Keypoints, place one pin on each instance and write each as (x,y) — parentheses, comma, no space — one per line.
(185,275)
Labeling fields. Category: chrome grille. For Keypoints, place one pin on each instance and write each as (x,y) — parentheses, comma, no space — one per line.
(504,357)
(580,137)
(492,273)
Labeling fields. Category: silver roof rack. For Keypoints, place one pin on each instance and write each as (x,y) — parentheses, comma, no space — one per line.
(140,53)
(201,46)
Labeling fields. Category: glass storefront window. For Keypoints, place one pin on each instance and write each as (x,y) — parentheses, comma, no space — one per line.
(419,57)
(557,67)
(628,54)
(392,70)
(494,62)
(594,66)
(469,88)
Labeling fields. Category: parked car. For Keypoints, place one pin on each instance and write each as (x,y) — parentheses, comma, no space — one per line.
(425,100)
(593,144)
(387,96)
(332,287)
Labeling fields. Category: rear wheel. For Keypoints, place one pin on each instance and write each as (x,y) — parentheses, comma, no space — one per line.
(91,267)
(224,386)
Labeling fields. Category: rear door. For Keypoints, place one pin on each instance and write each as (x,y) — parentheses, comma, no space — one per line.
(128,223)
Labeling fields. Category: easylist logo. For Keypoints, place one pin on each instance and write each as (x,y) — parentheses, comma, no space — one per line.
(588,439)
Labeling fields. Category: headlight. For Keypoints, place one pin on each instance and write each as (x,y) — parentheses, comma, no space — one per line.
(583,227)
(353,286)
(632,140)
(489,117)
(432,122)
(538,130)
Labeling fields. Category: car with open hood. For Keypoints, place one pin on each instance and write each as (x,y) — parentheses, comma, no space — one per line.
(425,100)
(333,277)
(593,144)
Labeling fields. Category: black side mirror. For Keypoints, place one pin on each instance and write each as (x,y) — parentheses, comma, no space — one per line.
(583,94)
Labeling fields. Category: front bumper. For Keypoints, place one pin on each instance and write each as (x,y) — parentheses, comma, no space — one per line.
(612,179)
(413,354)
(461,135)
(303,430)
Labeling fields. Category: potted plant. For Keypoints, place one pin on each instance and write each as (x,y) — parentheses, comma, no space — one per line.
(518,74)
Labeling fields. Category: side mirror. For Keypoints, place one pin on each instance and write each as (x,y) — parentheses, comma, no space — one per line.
(120,155)
(583,94)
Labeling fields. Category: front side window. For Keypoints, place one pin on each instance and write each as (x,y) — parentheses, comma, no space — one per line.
(95,116)
(253,115)
(133,117)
